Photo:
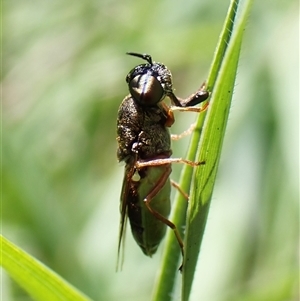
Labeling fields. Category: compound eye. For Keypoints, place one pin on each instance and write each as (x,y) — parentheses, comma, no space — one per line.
(146,89)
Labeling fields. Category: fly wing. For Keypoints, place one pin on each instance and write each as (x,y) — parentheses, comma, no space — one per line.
(129,172)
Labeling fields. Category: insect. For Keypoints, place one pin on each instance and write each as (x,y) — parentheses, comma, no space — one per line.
(144,144)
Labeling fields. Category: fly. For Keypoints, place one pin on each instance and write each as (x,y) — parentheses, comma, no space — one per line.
(144,144)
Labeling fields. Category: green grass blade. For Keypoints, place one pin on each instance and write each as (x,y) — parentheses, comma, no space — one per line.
(222,46)
(210,151)
(166,277)
(35,278)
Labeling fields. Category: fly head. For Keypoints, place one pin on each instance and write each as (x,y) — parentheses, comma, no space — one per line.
(149,83)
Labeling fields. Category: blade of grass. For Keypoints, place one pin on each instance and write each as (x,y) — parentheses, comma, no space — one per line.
(210,151)
(35,278)
(166,277)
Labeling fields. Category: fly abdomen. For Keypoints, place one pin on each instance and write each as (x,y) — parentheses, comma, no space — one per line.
(147,229)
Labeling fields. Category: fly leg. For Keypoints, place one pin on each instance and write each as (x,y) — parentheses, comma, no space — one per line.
(147,201)
(188,109)
(199,96)
(176,185)
(185,133)
(185,105)
(169,112)
(159,185)
(164,161)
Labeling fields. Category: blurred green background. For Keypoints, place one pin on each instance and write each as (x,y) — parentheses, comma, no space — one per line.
(63,78)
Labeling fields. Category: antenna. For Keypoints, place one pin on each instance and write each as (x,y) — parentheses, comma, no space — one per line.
(146,57)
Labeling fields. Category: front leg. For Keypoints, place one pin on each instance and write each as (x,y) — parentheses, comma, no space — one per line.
(199,96)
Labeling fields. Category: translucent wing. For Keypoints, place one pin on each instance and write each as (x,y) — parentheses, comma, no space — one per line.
(129,172)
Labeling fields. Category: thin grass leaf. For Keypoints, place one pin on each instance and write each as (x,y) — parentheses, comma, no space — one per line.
(166,277)
(210,152)
(35,278)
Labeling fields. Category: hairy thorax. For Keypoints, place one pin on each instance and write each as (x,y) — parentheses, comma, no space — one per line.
(141,131)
